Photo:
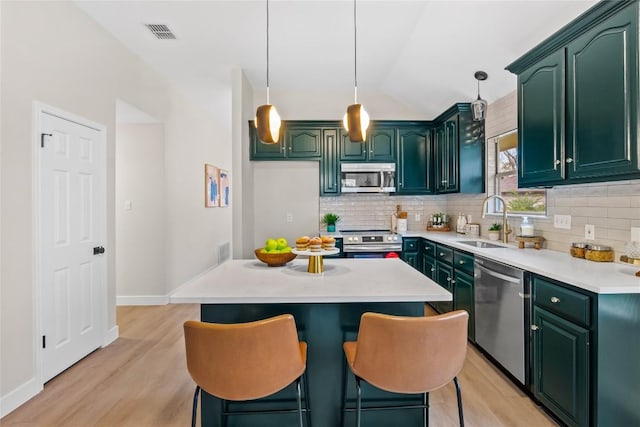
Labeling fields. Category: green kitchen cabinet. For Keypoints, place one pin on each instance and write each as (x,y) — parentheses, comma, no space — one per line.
(463,299)
(561,366)
(591,134)
(380,145)
(602,95)
(411,252)
(303,142)
(414,160)
(262,151)
(459,154)
(444,276)
(541,122)
(329,165)
(429,266)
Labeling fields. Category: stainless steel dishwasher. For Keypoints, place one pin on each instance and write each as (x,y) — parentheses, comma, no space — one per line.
(501,314)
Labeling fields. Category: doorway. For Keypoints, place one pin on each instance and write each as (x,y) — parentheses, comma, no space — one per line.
(70,224)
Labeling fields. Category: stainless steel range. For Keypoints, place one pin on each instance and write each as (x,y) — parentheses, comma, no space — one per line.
(371,243)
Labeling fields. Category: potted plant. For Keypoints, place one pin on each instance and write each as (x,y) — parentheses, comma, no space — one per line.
(330,220)
(494,231)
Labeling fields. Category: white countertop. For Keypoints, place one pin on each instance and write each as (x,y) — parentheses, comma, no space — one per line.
(598,277)
(343,281)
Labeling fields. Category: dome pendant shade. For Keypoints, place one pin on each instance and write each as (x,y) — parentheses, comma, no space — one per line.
(356,122)
(268,124)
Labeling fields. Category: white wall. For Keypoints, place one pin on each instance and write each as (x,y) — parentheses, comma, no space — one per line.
(281,188)
(140,230)
(52,52)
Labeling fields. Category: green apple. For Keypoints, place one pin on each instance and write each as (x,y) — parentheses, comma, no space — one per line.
(263,251)
(270,245)
(286,250)
(282,243)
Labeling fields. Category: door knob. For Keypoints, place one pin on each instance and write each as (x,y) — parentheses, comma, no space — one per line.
(534,327)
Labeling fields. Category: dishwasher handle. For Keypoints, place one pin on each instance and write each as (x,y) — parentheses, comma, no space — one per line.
(499,275)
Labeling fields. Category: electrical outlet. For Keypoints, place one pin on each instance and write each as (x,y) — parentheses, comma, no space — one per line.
(562,221)
(289,217)
(418,217)
(589,231)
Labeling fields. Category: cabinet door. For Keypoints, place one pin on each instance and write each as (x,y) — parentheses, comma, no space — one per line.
(463,298)
(262,151)
(415,175)
(351,151)
(561,367)
(412,259)
(446,154)
(303,143)
(603,96)
(541,123)
(382,144)
(444,276)
(429,267)
(329,166)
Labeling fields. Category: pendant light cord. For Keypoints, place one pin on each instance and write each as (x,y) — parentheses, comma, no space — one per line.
(355,53)
(267,52)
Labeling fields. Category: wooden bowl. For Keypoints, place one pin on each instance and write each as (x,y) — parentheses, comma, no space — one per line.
(274,260)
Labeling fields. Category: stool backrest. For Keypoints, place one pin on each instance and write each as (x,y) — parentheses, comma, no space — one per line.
(411,354)
(244,361)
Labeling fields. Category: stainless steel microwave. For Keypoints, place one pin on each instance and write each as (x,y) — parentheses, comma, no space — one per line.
(368,177)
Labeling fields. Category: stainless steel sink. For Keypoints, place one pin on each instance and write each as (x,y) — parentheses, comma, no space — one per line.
(480,244)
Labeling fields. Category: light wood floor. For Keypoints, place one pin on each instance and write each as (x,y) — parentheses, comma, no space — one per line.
(141,380)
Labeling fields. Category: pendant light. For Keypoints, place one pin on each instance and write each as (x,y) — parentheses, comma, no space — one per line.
(356,119)
(267,118)
(479,106)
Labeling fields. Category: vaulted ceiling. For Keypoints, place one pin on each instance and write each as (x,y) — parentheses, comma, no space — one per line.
(421,54)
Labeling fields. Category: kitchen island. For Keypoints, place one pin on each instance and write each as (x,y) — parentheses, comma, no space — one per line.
(327,309)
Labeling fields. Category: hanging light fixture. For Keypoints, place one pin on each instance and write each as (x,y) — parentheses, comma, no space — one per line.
(479,106)
(356,119)
(267,118)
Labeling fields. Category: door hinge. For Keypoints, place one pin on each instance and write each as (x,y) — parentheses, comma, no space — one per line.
(44,341)
(42,135)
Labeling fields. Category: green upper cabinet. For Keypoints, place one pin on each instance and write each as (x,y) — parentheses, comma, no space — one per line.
(602,89)
(541,122)
(591,135)
(298,140)
(303,142)
(414,169)
(329,165)
(380,146)
(458,152)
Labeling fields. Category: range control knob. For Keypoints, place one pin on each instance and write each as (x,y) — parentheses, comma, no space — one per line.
(350,239)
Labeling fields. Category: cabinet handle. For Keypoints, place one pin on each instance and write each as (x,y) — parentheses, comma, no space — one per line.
(444,181)
(569,160)
(289,148)
(370,151)
(555,300)
(433,269)
(461,262)
(558,162)
(448,279)
(441,253)
(534,327)
(426,249)
(453,281)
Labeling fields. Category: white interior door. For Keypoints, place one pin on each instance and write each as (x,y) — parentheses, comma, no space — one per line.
(71,224)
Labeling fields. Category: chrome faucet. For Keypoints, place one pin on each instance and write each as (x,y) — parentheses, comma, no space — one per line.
(505,225)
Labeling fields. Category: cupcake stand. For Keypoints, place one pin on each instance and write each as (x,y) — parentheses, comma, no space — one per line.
(316,265)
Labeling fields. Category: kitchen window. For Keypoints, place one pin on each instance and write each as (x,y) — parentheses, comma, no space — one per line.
(520,201)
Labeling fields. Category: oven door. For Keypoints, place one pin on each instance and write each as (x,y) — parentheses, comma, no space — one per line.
(372,251)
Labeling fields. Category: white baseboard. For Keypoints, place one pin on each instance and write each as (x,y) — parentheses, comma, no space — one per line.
(142,300)
(18,396)
(110,336)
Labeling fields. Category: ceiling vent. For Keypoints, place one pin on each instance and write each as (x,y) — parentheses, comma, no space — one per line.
(161,31)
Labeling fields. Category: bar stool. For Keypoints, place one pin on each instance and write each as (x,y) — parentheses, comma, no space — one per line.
(246,361)
(409,355)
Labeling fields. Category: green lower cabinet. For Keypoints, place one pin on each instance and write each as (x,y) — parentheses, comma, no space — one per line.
(561,366)
(463,299)
(444,276)
(429,266)
(411,252)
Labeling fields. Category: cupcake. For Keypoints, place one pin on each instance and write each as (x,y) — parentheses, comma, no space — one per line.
(315,244)
(328,242)
(302,243)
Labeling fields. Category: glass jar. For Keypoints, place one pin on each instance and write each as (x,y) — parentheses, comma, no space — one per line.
(578,249)
(599,253)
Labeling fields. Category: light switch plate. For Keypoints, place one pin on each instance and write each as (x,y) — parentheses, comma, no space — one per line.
(562,221)
(589,231)
(289,217)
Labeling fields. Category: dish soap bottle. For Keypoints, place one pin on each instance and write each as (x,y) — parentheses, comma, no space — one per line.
(526,228)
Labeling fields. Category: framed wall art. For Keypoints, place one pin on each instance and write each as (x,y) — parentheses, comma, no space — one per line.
(225,187)
(211,186)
